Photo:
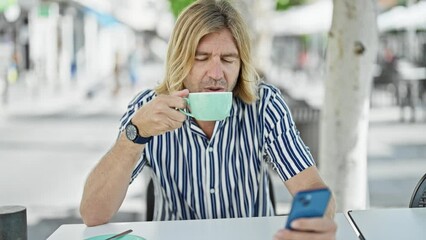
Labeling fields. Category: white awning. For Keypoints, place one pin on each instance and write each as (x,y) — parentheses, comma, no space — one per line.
(392,19)
(402,17)
(317,17)
(307,19)
(137,14)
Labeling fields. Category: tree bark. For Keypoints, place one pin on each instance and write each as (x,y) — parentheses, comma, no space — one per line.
(258,14)
(351,54)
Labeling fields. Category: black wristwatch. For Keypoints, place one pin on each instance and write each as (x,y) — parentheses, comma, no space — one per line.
(132,133)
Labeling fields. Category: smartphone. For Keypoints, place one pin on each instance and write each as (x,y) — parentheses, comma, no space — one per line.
(309,204)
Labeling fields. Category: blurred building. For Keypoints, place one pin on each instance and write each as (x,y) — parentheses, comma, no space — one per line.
(73,43)
(58,44)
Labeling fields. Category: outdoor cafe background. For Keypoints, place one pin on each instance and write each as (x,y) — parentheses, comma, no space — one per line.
(55,45)
(52,49)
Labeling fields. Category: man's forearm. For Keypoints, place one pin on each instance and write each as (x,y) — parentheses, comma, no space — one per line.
(107,184)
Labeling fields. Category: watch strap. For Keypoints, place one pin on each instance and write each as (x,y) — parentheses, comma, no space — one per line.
(142,140)
(139,139)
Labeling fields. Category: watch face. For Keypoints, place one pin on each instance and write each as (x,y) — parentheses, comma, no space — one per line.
(131,132)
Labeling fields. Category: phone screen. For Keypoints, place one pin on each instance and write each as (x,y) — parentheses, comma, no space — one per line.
(308,204)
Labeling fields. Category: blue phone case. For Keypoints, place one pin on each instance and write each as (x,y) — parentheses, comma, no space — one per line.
(308,204)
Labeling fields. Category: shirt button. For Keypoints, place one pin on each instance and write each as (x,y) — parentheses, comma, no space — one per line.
(210,149)
(212,190)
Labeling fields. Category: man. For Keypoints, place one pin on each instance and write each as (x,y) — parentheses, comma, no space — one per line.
(207,169)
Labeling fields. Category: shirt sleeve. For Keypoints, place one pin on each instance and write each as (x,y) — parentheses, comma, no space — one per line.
(137,102)
(286,150)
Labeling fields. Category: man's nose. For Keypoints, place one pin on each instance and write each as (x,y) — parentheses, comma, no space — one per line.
(215,70)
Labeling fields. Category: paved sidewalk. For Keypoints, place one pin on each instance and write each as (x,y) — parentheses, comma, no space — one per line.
(396,157)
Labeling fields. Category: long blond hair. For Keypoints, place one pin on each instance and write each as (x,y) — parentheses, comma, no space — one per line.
(199,19)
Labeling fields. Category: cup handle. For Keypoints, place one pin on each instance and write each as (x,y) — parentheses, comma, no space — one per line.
(185,111)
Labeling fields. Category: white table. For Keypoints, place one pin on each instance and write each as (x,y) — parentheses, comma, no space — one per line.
(212,229)
(390,224)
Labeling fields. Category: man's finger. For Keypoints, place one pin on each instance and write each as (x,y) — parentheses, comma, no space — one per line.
(181,93)
(314,224)
(175,115)
(298,235)
(175,99)
(172,102)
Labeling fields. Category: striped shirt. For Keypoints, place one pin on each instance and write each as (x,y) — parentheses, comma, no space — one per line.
(226,176)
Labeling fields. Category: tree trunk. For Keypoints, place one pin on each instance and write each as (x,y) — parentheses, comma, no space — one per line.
(262,47)
(351,54)
(258,14)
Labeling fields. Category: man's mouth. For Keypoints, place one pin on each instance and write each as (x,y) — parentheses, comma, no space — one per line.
(214,89)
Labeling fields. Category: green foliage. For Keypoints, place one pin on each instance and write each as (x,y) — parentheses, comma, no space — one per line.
(178,5)
(285,4)
(407,2)
(402,2)
(4,4)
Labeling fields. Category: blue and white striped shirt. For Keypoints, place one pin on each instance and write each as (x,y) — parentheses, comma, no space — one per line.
(225,176)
